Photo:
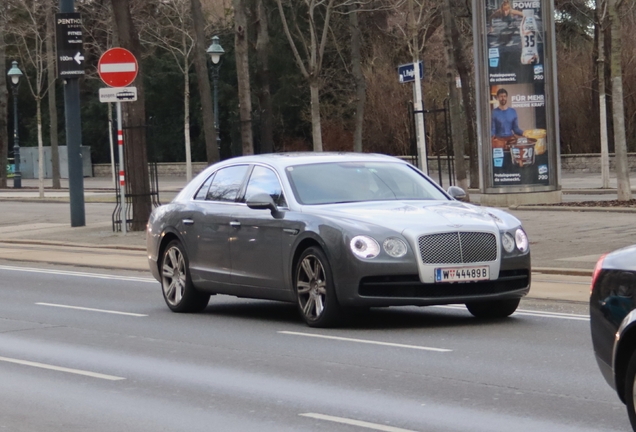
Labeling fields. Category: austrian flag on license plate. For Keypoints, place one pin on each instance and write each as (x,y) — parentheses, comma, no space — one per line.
(462,274)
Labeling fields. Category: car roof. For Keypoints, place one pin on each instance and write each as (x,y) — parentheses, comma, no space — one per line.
(282,160)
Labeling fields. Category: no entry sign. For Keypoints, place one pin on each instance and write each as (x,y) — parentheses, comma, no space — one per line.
(117,67)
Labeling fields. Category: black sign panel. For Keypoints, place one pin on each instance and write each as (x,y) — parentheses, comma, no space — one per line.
(70,50)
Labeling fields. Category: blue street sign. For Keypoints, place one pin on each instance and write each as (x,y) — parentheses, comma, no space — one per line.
(406,73)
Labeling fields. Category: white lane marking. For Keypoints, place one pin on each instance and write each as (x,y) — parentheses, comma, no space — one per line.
(352,422)
(62,369)
(81,274)
(92,310)
(365,341)
(557,315)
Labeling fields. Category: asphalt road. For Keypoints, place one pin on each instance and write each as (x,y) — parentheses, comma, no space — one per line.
(245,365)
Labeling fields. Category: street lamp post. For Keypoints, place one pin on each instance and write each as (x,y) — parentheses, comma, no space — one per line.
(216,51)
(14,75)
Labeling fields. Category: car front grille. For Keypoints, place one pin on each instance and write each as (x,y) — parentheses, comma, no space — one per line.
(458,247)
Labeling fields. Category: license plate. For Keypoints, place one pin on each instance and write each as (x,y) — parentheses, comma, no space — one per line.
(462,274)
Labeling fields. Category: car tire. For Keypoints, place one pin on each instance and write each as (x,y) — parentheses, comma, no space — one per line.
(315,291)
(176,284)
(630,390)
(493,308)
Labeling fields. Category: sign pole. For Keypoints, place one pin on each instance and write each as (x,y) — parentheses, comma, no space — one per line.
(73,116)
(419,120)
(117,68)
(112,147)
(122,177)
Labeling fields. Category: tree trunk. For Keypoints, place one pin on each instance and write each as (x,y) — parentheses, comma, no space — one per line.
(314,88)
(4,100)
(358,77)
(38,117)
(50,66)
(243,76)
(201,66)
(186,116)
(602,106)
(463,65)
(458,128)
(263,81)
(620,143)
(135,151)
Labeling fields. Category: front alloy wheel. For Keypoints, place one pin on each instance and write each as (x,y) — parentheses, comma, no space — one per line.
(315,292)
(178,291)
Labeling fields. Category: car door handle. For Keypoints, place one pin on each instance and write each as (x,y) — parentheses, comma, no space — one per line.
(188,222)
(235,224)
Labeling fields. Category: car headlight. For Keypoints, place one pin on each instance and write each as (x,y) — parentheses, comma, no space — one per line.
(394,247)
(508,242)
(521,239)
(364,247)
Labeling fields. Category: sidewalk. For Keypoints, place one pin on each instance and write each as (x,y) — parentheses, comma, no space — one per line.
(565,242)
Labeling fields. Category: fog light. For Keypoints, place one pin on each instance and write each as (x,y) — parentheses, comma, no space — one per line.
(508,242)
(394,247)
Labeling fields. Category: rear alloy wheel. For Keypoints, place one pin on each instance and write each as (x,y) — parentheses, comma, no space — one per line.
(493,308)
(315,291)
(630,390)
(178,291)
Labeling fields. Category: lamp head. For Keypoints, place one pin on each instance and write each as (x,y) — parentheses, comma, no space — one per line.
(215,50)
(15,73)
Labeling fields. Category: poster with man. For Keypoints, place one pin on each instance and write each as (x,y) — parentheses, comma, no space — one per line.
(517,93)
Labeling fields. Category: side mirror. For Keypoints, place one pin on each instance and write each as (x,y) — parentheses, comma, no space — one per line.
(261,201)
(458,193)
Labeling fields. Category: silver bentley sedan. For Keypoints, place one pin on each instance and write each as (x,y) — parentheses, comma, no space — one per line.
(333,232)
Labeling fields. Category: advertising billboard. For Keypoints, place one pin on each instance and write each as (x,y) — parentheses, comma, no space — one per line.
(516,112)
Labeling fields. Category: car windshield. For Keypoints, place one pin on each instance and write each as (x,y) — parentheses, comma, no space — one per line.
(329,183)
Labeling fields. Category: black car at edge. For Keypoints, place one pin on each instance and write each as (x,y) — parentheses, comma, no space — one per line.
(613,323)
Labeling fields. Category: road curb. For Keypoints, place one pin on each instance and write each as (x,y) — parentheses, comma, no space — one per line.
(562,271)
(75,245)
(573,208)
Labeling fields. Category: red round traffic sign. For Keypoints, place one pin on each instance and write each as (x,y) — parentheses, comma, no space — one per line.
(117,67)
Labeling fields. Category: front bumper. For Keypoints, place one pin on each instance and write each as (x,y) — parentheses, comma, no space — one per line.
(400,285)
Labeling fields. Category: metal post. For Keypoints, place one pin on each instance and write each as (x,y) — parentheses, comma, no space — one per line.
(419,118)
(74,140)
(17,175)
(215,80)
(123,208)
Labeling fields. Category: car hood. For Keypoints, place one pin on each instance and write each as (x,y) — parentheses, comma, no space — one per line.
(421,216)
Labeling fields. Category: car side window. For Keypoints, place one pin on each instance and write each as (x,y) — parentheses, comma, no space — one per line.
(264,180)
(227,183)
(203,190)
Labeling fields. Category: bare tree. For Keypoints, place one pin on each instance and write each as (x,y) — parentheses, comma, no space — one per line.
(200,63)
(458,130)
(358,76)
(171,30)
(135,119)
(243,75)
(313,49)
(262,78)
(30,40)
(50,68)
(601,16)
(618,109)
